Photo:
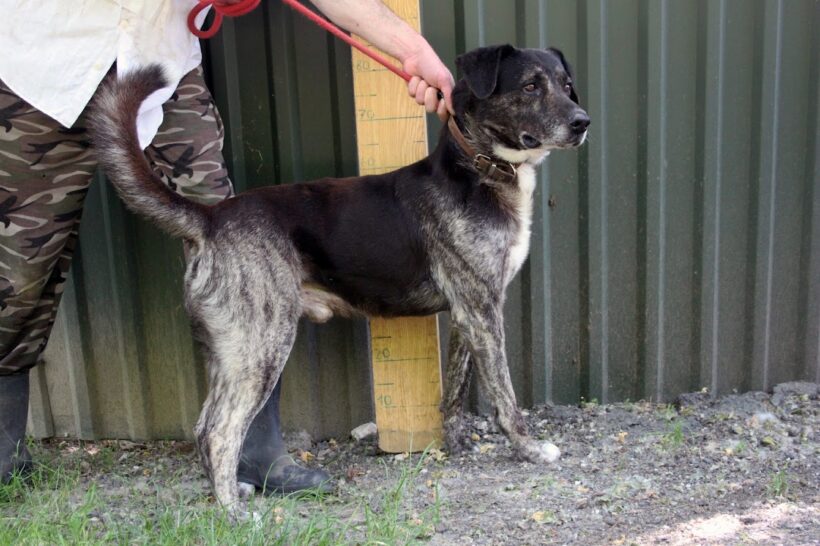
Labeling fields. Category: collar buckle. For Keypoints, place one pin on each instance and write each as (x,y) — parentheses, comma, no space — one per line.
(485,165)
(500,171)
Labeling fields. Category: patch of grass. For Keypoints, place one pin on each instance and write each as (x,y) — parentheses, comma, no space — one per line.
(779,484)
(67,502)
(390,525)
(737,449)
(589,404)
(669,412)
(629,405)
(547,517)
(674,438)
(723,416)
(686,411)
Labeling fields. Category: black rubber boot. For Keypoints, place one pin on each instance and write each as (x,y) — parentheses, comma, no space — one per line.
(265,462)
(14,457)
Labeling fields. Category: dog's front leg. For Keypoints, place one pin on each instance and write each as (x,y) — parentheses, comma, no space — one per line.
(482,329)
(459,371)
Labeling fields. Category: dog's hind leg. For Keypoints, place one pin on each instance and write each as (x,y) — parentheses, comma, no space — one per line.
(248,353)
(483,332)
(238,392)
(459,371)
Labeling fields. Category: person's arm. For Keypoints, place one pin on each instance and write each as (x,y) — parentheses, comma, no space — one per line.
(376,23)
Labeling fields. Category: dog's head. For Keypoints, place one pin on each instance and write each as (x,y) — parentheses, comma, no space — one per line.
(522,101)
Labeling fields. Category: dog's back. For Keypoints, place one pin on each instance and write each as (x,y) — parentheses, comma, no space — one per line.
(360,238)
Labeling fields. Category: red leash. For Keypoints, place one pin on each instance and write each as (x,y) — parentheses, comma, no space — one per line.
(246,6)
(232,10)
(336,31)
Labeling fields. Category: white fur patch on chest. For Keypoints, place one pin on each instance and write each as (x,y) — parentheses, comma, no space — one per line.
(520,247)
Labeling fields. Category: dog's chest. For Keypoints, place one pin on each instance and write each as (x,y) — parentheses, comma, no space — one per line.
(520,243)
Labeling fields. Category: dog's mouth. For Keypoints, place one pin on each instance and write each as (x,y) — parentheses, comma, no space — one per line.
(565,139)
(577,139)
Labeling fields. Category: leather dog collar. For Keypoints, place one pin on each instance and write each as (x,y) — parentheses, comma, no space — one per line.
(495,169)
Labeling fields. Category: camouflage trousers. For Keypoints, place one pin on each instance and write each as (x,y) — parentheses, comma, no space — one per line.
(45,171)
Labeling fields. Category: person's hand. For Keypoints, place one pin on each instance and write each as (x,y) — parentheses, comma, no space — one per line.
(429,77)
(374,22)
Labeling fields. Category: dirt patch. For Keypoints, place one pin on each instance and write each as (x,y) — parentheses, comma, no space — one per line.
(741,469)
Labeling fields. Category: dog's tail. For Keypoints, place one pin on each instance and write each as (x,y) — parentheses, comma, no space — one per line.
(113,123)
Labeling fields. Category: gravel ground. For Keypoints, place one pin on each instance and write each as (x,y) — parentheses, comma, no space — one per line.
(741,469)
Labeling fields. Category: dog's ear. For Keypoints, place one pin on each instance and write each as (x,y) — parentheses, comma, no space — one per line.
(479,68)
(568,69)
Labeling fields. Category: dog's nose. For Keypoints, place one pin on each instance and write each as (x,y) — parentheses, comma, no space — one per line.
(529,141)
(580,122)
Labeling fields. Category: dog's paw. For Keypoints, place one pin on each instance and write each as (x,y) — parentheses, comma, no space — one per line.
(241,516)
(549,452)
(539,452)
(246,491)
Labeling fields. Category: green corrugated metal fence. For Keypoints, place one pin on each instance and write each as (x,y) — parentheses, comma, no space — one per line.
(679,249)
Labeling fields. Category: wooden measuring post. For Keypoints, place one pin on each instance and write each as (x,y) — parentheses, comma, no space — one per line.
(392,132)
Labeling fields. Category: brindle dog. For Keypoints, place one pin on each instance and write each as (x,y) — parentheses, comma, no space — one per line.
(445,233)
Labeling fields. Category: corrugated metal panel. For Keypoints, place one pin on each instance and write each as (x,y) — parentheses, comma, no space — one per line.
(679,249)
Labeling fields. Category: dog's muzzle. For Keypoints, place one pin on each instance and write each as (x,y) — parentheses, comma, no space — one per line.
(579,122)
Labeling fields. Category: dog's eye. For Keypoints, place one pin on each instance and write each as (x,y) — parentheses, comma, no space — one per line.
(530,88)
(568,87)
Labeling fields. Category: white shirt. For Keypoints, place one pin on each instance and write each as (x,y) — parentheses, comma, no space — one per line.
(55,53)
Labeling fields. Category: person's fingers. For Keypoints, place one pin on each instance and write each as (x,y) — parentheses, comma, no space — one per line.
(447,91)
(442,111)
(431,73)
(431,99)
(412,85)
(421,89)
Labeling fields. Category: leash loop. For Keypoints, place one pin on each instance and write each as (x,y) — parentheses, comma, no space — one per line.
(220,10)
